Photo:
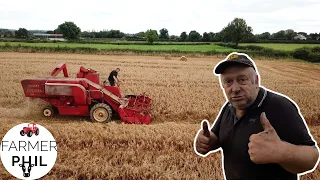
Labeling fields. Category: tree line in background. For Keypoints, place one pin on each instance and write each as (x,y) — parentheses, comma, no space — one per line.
(236,31)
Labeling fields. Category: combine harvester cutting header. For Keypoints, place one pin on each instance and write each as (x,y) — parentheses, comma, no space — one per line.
(84,96)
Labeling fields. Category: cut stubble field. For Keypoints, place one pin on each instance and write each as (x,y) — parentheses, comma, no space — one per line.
(183,93)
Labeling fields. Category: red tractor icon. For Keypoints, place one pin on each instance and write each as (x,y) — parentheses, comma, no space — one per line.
(30,130)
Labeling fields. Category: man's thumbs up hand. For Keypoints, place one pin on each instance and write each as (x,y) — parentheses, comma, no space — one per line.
(206,139)
(265,147)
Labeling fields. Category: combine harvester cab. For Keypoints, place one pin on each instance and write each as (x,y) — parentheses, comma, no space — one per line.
(84,96)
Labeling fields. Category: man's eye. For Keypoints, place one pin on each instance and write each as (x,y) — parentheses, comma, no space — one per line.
(227,81)
(243,80)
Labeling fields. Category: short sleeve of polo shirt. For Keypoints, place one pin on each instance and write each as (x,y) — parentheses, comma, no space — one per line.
(289,125)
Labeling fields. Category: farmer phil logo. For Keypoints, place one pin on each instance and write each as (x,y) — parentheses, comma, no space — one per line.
(28,151)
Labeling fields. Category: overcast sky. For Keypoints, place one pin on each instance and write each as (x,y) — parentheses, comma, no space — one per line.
(132,16)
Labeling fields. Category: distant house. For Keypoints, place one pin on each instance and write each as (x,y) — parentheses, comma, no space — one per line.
(300,37)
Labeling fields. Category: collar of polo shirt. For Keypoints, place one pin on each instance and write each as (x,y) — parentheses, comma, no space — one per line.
(256,104)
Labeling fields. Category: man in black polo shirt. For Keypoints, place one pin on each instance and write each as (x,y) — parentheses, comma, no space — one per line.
(261,133)
(113,77)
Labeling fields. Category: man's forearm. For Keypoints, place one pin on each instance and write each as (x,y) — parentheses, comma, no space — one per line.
(298,159)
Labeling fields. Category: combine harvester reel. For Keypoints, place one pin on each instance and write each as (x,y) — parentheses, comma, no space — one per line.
(137,110)
(84,96)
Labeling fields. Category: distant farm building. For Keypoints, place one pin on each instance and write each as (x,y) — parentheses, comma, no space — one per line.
(51,37)
(300,37)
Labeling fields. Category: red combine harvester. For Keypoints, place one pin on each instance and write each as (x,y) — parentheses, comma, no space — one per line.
(84,96)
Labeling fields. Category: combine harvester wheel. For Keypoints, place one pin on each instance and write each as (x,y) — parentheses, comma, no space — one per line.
(48,111)
(101,113)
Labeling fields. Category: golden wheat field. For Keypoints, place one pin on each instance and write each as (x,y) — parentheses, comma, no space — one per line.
(183,93)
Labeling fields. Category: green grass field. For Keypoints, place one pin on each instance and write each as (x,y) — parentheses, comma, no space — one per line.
(190,48)
(284,47)
(170,47)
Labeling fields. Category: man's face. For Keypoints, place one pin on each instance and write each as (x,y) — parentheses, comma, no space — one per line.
(240,85)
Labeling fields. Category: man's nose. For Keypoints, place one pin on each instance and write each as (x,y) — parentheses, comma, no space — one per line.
(235,87)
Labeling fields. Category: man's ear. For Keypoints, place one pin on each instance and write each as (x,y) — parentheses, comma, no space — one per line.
(257,81)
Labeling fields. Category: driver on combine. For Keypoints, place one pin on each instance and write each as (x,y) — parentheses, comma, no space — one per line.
(113,77)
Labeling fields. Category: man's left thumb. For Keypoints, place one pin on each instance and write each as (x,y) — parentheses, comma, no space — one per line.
(265,122)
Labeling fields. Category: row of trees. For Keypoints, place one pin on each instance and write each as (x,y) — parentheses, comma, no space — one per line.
(236,31)
(68,29)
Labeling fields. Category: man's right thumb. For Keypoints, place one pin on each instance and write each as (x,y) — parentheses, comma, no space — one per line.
(205,128)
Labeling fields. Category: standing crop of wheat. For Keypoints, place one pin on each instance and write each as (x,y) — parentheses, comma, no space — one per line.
(183,93)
